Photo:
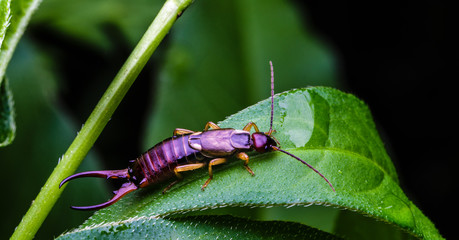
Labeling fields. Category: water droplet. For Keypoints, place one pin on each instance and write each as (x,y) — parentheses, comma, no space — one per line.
(298,122)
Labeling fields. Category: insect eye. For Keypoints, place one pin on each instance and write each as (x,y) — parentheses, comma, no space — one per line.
(271,142)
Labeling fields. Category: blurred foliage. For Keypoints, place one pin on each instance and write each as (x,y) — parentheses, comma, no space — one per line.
(214,63)
(44,131)
(7,124)
(85,20)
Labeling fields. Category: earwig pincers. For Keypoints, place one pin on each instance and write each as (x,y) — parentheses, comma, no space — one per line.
(187,150)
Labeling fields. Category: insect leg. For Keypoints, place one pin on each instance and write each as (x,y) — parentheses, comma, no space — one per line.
(183,168)
(249,126)
(182,131)
(243,156)
(211,125)
(213,162)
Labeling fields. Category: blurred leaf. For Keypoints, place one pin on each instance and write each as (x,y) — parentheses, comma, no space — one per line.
(7,124)
(89,21)
(217,62)
(354,225)
(199,227)
(44,132)
(332,130)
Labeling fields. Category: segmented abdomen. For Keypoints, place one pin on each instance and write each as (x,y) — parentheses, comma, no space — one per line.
(158,163)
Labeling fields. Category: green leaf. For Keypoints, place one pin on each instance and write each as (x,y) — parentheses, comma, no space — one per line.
(200,227)
(89,20)
(5,17)
(20,12)
(331,130)
(11,30)
(7,123)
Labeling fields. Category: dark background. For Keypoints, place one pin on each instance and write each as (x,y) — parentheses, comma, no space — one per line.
(401,59)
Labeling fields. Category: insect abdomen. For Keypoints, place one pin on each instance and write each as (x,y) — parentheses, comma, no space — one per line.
(158,163)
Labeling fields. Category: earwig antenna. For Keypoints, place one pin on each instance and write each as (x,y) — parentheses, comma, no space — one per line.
(271,131)
(311,167)
(272,98)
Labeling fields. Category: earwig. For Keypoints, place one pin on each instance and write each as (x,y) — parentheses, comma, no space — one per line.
(187,150)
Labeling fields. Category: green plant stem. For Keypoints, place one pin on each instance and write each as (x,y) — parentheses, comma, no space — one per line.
(102,113)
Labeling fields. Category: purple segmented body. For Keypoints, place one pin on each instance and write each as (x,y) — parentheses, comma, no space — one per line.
(158,163)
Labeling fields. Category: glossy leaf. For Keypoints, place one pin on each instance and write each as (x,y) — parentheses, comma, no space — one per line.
(331,130)
(201,227)
(7,123)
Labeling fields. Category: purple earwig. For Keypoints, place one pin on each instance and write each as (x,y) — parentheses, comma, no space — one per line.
(187,150)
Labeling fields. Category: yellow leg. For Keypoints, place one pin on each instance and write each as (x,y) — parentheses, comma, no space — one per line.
(182,131)
(243,156)
(249,126)
(183,168)
(213,162)
(211,125)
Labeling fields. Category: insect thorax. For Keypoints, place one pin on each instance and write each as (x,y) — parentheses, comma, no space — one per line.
(220,142)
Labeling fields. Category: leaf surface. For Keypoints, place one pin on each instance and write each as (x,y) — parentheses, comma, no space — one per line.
(19,11)
(201,227)
(7,123)
(5,17)
(331,130)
